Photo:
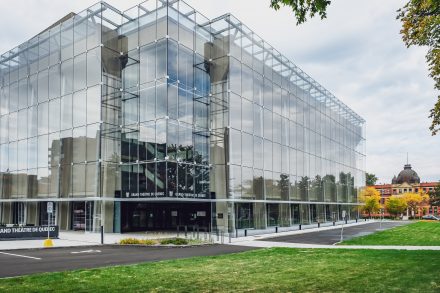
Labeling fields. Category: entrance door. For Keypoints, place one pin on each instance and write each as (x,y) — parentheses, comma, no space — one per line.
(82,216)
(245,216)
(19,213)
(164,216)
(78,216)
(89,215)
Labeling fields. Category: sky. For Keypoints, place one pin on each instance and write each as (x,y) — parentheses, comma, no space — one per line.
(356,53)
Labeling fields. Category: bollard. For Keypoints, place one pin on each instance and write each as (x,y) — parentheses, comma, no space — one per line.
(319,225)
(186,231)
(346,220)
(334,223)
(276,229)
(245,232)
(365,219)
(356,220)
(300,226)
(102,234)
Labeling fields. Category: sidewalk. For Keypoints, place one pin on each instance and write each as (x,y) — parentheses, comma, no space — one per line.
(239,240)
(77,238)
(268,244)
(258,241)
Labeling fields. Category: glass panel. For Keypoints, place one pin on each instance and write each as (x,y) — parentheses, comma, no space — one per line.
(66,77)
(147,66)
(147,102)
(43,151)
(92,142)
(54,117)
(93,104)
(79,108)
(43,118)
(93,67)
(79,144)
(79,72)
(66,112)
(54,81)
(22,124)
(235,150)
(43,86)
(247,147)
(258,152)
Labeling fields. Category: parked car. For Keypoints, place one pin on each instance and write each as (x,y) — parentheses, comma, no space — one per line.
(431,217)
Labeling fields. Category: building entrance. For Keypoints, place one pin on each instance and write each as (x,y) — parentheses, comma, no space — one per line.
(82,216)
(143,216)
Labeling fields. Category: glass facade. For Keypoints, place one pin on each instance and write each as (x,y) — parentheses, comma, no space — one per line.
(157,117)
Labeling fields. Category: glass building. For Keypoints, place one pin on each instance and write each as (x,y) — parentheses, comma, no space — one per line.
(158,116)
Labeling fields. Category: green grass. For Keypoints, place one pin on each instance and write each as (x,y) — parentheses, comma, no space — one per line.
(419,233)
(264,270)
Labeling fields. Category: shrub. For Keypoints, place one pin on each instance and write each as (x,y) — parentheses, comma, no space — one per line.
(175,241)
(138,241)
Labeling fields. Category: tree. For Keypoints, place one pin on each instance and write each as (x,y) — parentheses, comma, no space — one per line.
(370,179)
(415,200)
(303,7)
(420,27)
(434,196)
(395,205)
(370,198)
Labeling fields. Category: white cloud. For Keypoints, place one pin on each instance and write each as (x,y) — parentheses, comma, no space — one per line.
(356,53)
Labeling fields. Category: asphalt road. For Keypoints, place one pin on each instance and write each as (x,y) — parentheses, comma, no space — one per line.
(329,237)
(31,261)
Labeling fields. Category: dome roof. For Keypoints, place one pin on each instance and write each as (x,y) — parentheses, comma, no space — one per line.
(407,175)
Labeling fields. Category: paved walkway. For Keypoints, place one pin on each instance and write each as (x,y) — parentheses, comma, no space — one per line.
(327,237)
(77,238)
(333,235)
(268,244)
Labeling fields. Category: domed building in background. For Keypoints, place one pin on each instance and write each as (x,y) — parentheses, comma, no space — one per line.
(407,175)
(407,181)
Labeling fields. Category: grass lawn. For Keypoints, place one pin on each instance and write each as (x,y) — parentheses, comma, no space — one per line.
(263,270)
(419,233)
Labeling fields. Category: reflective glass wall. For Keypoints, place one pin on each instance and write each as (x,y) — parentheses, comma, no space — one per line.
(284,139)
(160,103)
(50,114)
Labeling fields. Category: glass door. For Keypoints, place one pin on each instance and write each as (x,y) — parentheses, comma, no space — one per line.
(78,216)
(89,215)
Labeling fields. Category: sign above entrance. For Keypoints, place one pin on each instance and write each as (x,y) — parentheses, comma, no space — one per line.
(128,194)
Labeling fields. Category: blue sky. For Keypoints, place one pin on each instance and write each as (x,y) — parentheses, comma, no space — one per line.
(356,53)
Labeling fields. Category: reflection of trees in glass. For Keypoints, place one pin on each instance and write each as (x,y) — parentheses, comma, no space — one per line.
(329,187)
(343,185)
(258,187)
(284,186)
(293,190)
(247,189)
(316,188)
(303,185)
